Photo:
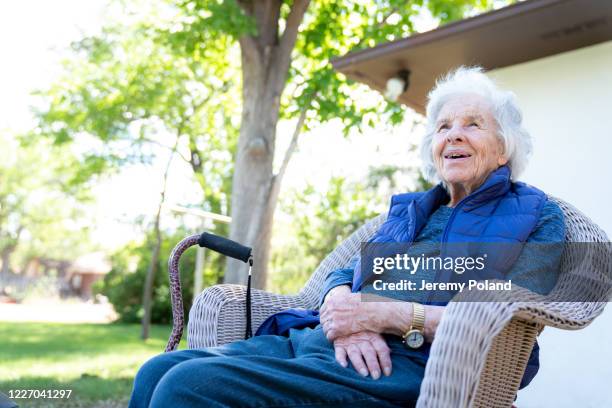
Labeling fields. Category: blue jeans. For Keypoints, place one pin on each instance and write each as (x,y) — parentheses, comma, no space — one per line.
(273,371)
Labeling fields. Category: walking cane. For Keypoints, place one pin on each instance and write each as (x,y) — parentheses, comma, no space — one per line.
(219,244)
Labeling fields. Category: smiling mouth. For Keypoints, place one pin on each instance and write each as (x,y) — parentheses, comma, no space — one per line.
(456,155)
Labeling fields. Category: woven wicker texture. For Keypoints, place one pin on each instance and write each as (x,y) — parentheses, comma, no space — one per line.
(481,348)
(218,313)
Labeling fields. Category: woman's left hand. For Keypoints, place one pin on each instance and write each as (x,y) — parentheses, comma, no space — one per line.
(345,314)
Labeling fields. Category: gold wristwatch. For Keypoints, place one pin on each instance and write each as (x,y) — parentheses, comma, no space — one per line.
(414,336)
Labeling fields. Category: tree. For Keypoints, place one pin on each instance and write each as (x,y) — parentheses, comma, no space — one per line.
(285,53)
(185,66)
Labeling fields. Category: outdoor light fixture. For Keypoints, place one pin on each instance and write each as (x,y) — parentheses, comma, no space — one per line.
(397,85)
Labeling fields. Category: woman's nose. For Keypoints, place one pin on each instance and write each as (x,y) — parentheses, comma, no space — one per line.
(454,134)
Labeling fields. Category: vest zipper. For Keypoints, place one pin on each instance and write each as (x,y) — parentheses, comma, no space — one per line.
(447,228)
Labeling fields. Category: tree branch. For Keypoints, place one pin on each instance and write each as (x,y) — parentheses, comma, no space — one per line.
(247,42)
(267,15)
(385,18)
(195,109)
(278,177)
(294,19)
(142,139)
(281,60)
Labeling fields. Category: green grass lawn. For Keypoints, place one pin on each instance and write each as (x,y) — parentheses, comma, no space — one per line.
(96,361)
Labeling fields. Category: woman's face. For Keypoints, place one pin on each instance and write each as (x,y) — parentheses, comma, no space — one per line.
(465,146)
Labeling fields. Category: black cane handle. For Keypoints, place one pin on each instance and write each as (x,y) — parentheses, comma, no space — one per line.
(225,246)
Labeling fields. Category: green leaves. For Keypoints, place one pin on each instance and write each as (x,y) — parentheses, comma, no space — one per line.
(38,202)
(204,19)
(178,73)
(144,84)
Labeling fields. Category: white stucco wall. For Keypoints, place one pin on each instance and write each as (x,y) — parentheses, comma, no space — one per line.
(567,106)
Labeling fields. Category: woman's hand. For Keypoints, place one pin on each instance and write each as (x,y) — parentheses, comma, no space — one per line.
(367,351)
(343,313)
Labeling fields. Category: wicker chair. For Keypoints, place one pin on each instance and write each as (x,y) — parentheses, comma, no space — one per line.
(481,348)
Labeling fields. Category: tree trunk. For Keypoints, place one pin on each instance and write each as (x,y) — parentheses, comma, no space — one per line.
(6,260)
(253,173)
(265,64)
(7,251)
(147,293)
(147,296)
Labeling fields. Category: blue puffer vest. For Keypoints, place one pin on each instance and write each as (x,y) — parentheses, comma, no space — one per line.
(499,211)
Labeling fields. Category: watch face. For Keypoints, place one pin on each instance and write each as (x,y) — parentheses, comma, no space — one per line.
(414,339)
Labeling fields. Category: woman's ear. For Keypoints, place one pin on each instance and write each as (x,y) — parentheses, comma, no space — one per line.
(501,159)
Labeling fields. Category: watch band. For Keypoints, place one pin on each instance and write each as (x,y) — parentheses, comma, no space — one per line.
(418,316)
(418,319)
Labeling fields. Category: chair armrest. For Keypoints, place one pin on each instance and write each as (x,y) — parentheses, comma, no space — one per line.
(561,315)
(478,356)
(218,313)
(481,349)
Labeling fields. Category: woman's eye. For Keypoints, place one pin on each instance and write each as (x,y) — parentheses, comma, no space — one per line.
(442,127)
(474,124)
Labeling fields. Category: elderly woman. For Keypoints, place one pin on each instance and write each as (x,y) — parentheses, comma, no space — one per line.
(374,353)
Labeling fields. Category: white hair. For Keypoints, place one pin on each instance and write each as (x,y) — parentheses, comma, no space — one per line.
(472,80)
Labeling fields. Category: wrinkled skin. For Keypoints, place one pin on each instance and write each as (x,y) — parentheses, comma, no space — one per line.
(367,351)
(466,126)
(355,327)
